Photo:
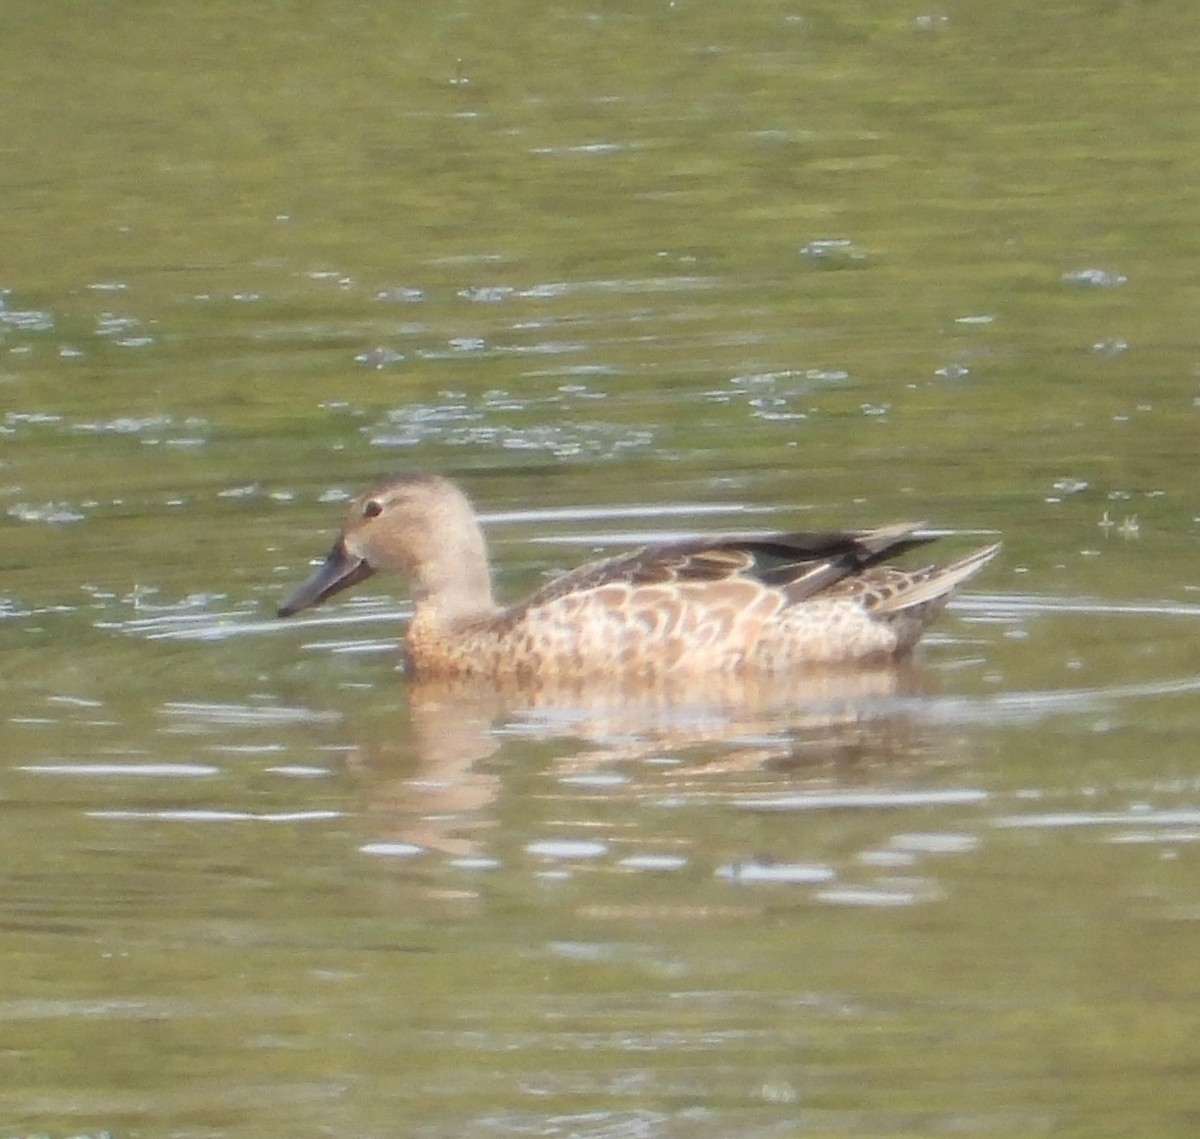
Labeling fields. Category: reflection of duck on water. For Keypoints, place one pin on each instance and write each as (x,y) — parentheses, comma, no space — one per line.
(698,608)
(656,736)
(766,714)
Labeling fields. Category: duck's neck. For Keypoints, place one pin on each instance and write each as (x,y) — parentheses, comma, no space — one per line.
(454,586)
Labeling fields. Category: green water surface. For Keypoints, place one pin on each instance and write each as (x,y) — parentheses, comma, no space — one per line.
(628,268)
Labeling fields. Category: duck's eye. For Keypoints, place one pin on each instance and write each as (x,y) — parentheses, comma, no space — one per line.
(372,508)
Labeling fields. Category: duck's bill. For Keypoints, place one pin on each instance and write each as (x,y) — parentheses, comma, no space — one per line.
(337,572)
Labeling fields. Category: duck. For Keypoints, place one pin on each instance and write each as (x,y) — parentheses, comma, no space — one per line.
(718,604)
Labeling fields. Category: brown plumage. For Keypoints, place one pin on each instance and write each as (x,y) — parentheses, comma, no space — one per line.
(720,604)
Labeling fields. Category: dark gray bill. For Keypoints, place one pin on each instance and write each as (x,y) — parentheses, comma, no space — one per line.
(337,572)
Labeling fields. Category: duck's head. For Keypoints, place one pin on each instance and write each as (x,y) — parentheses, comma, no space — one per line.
(417,524)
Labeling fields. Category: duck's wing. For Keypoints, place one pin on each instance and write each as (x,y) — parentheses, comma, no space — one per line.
(799,565)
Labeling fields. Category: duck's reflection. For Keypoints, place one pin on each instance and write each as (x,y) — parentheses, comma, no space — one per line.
(676,726)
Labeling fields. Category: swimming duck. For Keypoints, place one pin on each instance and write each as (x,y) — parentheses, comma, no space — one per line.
(721,604)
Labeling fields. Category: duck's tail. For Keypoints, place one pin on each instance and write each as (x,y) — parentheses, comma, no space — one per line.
(938,582)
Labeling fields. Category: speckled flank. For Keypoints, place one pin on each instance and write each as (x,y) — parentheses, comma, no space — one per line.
(716,605)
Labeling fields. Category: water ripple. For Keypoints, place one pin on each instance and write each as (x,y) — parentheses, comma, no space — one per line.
(244,715)
(860,800)
(781,873)
(563,848)
(1140,817)
(212,816)
(185,770)
(24,320)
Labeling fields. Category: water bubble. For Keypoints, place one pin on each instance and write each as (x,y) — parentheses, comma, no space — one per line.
(1094,278)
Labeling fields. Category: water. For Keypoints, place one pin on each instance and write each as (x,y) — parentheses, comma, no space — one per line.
(625,272)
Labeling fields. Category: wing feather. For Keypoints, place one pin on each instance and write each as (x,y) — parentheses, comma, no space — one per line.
(800,564)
